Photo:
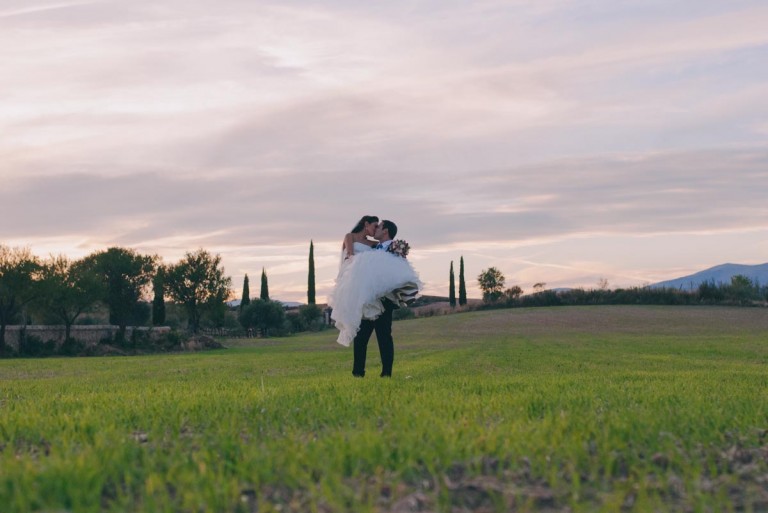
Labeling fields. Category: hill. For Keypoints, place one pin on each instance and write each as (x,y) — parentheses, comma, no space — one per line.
(718,274)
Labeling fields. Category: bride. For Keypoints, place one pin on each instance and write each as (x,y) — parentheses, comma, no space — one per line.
(360,238)
(366,275)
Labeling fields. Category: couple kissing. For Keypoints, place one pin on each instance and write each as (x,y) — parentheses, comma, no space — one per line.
(374,279)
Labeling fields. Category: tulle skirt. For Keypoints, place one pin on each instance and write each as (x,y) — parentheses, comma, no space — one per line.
(362,281)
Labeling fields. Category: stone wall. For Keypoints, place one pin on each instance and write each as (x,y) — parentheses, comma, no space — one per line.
(90,335)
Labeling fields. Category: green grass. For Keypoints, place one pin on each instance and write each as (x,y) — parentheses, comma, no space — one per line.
(561,409)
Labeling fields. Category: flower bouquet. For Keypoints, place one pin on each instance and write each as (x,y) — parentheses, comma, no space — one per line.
(399,247)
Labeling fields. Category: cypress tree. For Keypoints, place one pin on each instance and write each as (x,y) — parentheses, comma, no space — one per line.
(462,285)
(158,302)
(264,286)
(311,278)
(246,300)
(452,288)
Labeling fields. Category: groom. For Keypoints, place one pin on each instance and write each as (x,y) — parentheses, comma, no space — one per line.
(385,232)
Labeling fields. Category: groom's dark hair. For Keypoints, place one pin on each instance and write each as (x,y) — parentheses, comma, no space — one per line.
(390,227)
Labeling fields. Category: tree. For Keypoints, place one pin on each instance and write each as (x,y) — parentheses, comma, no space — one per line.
(246,299)
(263,315)
(69,289)
(199,284)
(513,293)
(310,314)
(264,286)
(215,314)
(124,276)
(741,289)
(491,282)
(451,287)
(462,284)
(158,302)
(311,277)
(709,292)
(19,279)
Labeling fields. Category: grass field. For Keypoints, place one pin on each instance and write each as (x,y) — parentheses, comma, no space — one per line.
(550,409)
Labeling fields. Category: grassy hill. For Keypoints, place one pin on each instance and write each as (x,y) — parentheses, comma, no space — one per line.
(546,409)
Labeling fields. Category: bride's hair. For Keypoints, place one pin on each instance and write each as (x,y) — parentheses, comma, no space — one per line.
(361,224)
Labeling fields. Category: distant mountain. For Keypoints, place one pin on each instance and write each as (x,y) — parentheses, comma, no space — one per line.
(718,274)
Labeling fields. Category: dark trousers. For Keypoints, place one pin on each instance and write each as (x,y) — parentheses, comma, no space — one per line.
(383,328)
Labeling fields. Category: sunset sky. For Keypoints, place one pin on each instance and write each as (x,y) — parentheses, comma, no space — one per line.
(561,141)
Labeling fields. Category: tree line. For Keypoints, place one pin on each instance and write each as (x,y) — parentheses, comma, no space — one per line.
(741,291)
(267,317)
(60,290)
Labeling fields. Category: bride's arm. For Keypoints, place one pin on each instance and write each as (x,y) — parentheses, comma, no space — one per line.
(348,246)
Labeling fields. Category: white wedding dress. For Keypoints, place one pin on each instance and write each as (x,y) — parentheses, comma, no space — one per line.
(363,280)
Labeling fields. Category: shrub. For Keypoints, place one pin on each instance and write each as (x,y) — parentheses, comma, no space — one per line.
(512,295)
(106,340)
(310,313)
(141,339)
(264,315)
(169,341)
(71,347)
(543,298)
(30,345)
(401,314)
(295,323)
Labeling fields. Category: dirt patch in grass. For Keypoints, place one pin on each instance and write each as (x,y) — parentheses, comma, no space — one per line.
(738,477)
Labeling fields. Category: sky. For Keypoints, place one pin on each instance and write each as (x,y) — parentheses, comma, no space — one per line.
(562,142)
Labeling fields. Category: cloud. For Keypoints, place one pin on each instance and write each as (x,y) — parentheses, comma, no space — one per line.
(338,82)
(488,128)
(23,10)
(571,228)
(664,193)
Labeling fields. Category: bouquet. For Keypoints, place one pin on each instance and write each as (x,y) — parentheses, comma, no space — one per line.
(399,247)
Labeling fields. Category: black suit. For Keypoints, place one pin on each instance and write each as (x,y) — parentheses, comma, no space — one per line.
(383,327)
